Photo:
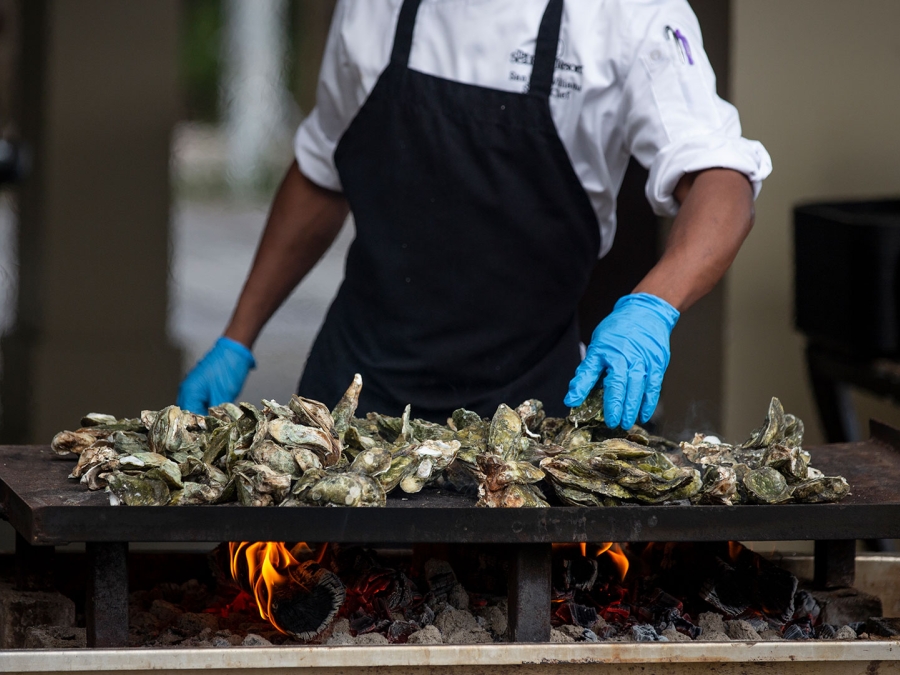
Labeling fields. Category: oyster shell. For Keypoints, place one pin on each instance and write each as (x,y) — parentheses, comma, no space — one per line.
(372,462)
(276,458)
(76,442)
(137,490)
(823,489)
(298,435)
(259,485)
(347,489)
(343,411)
(505,432)
(767,486)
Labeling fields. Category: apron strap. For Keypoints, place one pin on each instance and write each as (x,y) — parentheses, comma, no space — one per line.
(404,33)
(545,50)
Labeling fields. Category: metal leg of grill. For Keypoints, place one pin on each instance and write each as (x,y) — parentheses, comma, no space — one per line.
(835,563)
(529,593)
(106,608)
(34,566)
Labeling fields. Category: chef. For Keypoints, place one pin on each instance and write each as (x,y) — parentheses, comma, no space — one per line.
(479,145)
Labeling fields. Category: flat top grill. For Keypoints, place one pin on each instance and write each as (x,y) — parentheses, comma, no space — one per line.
(47,508)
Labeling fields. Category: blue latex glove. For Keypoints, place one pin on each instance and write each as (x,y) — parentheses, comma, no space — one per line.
(632,346)
(217,378)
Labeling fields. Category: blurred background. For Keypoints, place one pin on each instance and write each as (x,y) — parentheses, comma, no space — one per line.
(142,142)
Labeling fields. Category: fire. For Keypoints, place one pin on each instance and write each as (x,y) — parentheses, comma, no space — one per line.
(734,550)
(267,565)
(604,547)
(619,559)
(614,551)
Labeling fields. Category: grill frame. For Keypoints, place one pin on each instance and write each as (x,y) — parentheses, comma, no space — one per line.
(47,509)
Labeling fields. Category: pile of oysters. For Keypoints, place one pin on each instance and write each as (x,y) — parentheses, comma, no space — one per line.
(302,454)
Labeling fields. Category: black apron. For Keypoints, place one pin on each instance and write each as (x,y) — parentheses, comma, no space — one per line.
(474,243)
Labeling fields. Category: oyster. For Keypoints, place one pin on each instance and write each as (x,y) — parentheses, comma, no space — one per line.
(66,442)
(347,489)
(99,454)
(298,435)
(306,459)
(258,485)
(772,429)
(591,409)
(532,414)
(505,432)
(372,462)
(343,411)
(719,486)
(767,486)
(276,458)
(463,418)
(136,490)
(823,489)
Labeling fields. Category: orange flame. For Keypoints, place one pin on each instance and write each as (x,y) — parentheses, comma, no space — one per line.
(604,547)
(734,550)
(619,559)
(583,546)
(267,569)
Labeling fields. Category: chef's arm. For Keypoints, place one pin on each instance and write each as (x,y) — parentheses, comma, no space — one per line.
(715,217)
(303,222)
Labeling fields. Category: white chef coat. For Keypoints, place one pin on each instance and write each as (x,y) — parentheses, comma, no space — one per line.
(623,85)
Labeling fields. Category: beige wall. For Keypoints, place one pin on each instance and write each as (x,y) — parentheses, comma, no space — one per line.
(818,82)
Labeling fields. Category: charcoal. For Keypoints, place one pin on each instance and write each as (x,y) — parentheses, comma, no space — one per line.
(646,633)
(799,629)
(805,605)
(857,626)
(421,614)
(580,573)
(579,615)
(882,626)
(399,631)
(727,591)
(826,632)
(306,607)
(362,623)
(776,589)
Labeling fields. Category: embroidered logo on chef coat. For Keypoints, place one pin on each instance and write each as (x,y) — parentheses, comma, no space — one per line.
(566,78)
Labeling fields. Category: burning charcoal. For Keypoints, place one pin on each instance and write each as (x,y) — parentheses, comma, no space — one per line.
(727,591)
(646,633)
(361,623)
(306,605)
(399,631)
(776,590)
(580,573)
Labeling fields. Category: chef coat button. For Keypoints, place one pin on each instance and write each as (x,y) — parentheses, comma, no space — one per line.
(408,279)
(502,107)
(656,55)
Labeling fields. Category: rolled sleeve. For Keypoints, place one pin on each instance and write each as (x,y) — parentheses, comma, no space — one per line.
(675,122)
(703,152)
